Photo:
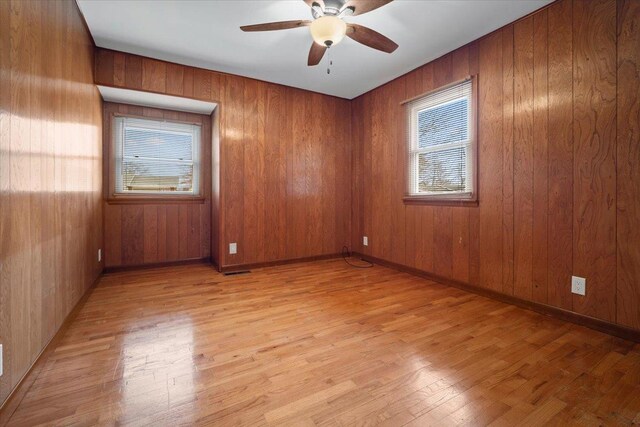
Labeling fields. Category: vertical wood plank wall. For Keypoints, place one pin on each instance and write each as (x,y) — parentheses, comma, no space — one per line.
(50,175)
(559,159)
(628,164)
(143,232)
(285,158)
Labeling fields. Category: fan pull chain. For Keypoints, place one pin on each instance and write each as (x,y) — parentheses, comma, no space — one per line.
(330,61)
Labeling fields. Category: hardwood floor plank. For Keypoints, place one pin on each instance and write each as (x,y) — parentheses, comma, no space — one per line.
(321,343)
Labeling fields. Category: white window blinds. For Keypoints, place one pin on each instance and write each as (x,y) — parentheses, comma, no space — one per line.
(153,156)
(440,143)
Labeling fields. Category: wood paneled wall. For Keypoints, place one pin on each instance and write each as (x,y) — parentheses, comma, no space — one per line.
(141,232)
(628,164)
(285,157)
(559,164)
(50,175)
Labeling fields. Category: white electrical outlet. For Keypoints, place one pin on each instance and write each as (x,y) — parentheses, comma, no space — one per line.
(578,285)
(233,248)
(99,255)
(365,241)
(1,358)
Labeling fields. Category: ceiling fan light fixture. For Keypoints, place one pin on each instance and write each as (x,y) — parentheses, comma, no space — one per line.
(328,30)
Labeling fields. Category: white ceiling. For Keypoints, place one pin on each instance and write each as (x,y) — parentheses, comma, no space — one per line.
(206,34)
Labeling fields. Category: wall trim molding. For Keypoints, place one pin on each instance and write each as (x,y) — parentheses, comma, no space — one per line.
(548,310)
(242,267)
(11,403)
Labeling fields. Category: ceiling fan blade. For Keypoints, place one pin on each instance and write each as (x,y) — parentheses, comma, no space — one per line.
(363,6)
(371,38)
(271,26)
(316,53)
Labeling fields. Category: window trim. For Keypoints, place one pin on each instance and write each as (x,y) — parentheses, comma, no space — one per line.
(133,198)
(454,199)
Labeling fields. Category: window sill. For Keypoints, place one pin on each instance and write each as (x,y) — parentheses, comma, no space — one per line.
(156,200)
(439,201)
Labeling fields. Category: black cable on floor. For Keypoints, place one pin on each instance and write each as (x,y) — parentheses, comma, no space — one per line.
(347,254)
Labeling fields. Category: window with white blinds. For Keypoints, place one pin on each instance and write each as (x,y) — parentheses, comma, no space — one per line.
(156,157)
(441,143)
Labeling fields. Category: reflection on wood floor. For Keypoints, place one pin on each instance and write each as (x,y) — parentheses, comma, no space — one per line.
(323,344)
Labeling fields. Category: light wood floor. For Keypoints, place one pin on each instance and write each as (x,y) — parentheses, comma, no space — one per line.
(323,344)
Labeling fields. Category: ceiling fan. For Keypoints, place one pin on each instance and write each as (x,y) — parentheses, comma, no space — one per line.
(328,28)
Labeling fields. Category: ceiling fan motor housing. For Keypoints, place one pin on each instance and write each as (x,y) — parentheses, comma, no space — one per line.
(331,8)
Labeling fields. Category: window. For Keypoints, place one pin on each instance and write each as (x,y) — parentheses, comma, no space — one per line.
(441,145)
(154,157)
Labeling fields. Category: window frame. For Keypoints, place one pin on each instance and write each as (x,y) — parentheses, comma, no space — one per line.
(156,197)
(412,152)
